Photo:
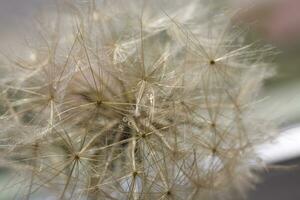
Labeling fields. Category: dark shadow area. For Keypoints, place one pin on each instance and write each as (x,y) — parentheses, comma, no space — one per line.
(282,183)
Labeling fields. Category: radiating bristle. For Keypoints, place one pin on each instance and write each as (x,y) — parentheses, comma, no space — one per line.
(133,100)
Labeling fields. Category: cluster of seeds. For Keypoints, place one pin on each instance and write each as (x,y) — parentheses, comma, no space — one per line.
(133,100)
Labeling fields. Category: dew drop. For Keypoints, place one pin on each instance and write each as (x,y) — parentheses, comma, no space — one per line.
(125,119)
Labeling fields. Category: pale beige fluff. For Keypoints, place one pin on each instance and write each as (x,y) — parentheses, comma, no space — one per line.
(133,99)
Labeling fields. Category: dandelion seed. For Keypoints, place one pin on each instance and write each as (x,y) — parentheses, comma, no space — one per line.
(212,62)
(95,16)
(32,57)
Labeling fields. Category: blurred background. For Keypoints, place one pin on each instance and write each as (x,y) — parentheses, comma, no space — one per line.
(275,22)
(278,22)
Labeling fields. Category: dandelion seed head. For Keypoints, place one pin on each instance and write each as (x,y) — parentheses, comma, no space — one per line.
(134,100)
